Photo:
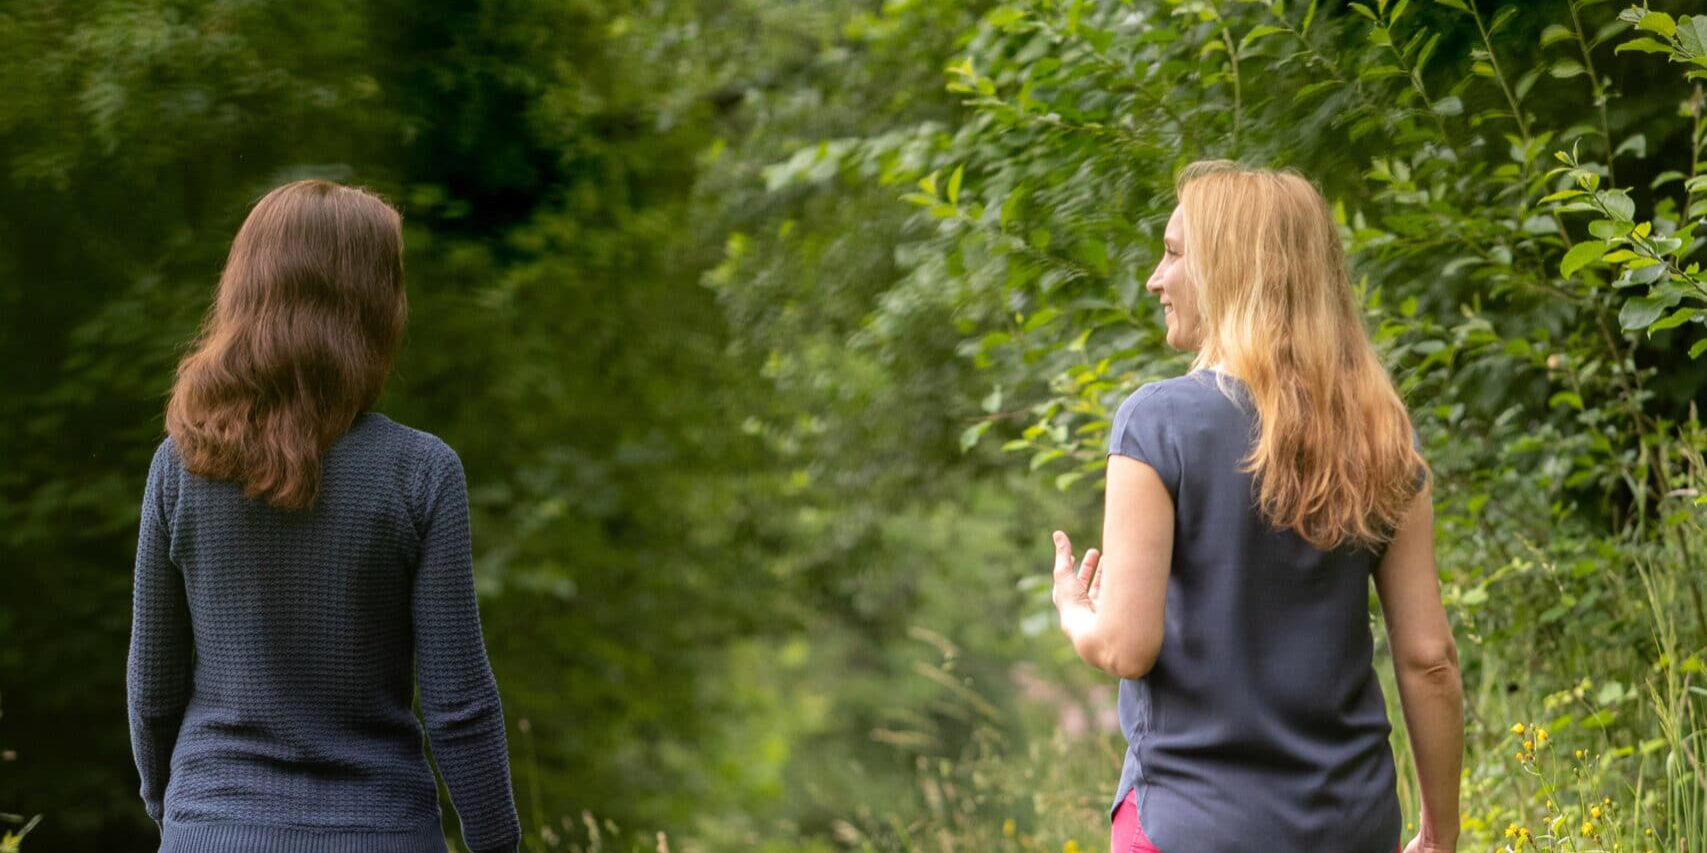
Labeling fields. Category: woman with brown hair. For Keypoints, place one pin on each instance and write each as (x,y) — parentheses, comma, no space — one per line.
(303,561)
(1248,505)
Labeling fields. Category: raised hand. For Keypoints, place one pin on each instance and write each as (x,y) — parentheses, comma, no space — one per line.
(1075,589)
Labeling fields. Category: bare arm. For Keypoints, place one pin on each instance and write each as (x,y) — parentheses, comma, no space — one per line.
(1425,661)
(1112,609)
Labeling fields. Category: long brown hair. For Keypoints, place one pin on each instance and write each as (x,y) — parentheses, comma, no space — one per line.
(301,335)
(1334,459)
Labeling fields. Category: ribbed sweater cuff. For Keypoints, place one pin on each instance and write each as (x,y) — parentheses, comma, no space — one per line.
(265,838)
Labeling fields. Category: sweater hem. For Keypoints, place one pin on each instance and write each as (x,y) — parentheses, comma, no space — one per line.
(224,837)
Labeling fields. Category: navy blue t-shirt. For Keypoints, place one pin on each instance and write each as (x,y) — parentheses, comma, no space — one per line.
(1262,725)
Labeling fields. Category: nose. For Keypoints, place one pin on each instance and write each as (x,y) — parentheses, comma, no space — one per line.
(1154,282)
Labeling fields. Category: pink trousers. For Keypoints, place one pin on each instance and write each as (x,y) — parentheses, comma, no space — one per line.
(1128,836)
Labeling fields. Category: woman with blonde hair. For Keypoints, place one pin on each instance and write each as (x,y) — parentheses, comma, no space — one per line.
(1248,505)
(304,562)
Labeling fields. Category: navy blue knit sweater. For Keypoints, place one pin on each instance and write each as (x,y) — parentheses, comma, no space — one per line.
(273,658)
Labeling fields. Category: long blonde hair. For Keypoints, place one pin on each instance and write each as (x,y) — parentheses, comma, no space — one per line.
(302,333)
(1334,459)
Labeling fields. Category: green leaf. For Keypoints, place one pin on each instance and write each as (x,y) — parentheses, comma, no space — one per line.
(1581,255)
(1645,45)
(1427,51)
(1569,398)
(1040,319)
(1257,32)
(1606,229)
(1010,206)
(969,438)
(1664,178)
(1658,22)
(1692,33)
(954,184)
(1619,205)
(1598,720)
(1562,195)
(1647,273)
(1044,457)
(1639,311)
(1610,693)
(1673,320)
(1005,17)
(1695,352)
(1455,4)
(1313,88)
(1450,105)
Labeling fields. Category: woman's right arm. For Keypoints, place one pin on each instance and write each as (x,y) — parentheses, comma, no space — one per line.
(1425,661)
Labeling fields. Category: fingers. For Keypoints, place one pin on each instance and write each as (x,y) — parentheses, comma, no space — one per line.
(1088,569)
(1092,571)
(1063,554)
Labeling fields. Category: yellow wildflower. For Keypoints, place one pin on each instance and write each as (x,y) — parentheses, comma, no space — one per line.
(1588,828)
(1008,828)
(1528,744)
(1511,830)
(1594,812)
(1072,846)
(1541,735)
(1517,728)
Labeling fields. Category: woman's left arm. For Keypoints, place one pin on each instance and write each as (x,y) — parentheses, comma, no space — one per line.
(158,673)
(1112,608)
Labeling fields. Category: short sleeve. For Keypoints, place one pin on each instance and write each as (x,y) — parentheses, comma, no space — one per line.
(1143,430)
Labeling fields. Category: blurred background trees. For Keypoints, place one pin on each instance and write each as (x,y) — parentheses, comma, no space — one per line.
(776,336)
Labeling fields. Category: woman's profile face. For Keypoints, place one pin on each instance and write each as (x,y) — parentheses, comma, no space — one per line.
(1174,288)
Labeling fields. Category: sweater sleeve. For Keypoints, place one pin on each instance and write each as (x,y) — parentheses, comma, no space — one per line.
(459,695)
(157,679)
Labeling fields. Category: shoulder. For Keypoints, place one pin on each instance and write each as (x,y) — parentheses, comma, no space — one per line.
(1178,393)
(164,470)
(165,455)
(433,466)
(419,444)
